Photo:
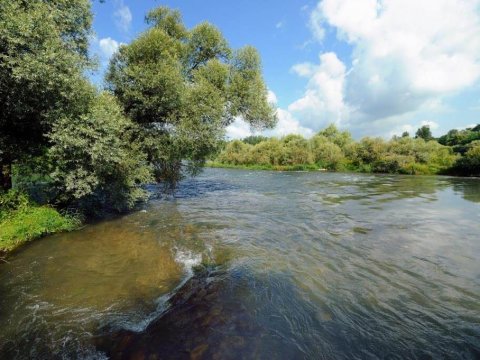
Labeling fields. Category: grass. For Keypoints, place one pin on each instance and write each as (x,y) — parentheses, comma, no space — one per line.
(30,221)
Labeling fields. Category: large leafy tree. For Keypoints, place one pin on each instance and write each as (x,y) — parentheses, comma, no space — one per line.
(97,165)
(43,54)
(183,87)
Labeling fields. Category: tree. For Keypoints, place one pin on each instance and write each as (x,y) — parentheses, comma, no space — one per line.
(424,133)
(296,150)
(326,153)
(183,87)
(254,139)
(405,134)
(469,164)
(340,138)
(43,54)
(97,163)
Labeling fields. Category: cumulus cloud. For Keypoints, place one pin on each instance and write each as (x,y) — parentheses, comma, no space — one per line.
(108,47)
(287,124)
(323,101)
(412,128)
(406,55)
(272,98)
(239,129)
(123,16)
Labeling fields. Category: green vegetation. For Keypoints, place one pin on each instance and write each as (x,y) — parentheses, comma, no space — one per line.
(170,94)
(335,150)
(22,221)
(182,87)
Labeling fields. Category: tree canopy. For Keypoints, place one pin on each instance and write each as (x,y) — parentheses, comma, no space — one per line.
(43,54)
(183,87)
(424,133)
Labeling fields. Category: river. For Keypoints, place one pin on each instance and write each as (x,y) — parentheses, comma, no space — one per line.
(243,265)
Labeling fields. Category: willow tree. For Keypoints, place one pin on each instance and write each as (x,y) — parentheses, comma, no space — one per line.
(184,87)
(43,54)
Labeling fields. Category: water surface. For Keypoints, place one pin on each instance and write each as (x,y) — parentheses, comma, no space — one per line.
(240,264)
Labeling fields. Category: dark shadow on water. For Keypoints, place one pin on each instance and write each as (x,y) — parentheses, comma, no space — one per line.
(235,314)
(219,314)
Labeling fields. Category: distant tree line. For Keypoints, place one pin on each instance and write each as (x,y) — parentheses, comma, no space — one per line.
(456,153)
(169,96)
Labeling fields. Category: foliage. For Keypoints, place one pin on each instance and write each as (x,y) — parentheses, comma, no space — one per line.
(460,139)
(254,139)
(183,87)
(325,153)
(335,150)
(339,138)
(468,165)
(424,133)
(43,54)
(97,160)
(22,221)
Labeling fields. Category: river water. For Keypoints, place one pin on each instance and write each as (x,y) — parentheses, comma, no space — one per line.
(244,265)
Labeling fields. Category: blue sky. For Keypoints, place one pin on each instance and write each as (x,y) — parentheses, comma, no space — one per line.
(374,67)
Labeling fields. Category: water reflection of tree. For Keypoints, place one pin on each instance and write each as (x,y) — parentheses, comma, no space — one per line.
(468,188)
(387,188)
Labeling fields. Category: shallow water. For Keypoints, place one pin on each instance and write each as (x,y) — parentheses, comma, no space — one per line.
(293,265)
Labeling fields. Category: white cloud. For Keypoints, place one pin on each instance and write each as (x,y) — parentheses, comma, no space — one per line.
(279,24)
(407,55)
(123,16)
(412,129)
(287,124)
(272,98)
(323,101)
(239,129)
(108,47)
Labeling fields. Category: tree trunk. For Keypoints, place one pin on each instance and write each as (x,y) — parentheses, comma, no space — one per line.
(6,176)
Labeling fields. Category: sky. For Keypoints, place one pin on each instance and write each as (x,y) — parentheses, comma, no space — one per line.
(373,67)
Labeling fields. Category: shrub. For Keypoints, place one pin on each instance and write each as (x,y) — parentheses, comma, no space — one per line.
(22,220)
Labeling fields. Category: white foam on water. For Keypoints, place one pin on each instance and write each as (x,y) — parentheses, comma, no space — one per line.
(188,260)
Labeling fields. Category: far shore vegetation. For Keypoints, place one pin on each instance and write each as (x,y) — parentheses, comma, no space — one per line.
(455,153)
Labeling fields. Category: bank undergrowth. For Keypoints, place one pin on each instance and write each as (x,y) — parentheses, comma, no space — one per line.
(335,150)
(21,221)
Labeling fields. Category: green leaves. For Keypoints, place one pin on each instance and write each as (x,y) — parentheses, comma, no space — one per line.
(183,87)
(43,53)
(97,160)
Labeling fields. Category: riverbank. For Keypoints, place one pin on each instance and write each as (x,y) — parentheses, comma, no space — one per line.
(304,167)
(22,221)
(365,169)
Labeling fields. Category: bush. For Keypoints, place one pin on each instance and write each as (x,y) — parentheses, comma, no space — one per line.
(22,221)
(468,165)
(326,154)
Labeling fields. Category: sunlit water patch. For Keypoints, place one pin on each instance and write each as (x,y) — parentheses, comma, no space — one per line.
(241,264)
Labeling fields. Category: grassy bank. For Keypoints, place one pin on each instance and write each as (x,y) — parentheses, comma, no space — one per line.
(22,221)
